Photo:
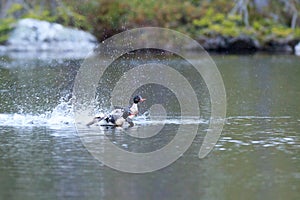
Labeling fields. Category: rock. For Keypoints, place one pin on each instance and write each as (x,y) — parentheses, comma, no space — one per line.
(218,43)
(229,44)
(278,45)
(2,48)
(248,44)
(35,35)
(297,49)
(243,43)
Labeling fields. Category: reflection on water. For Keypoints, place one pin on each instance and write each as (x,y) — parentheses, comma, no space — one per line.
(257,156)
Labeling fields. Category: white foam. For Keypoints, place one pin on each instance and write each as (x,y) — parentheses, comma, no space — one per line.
(187,120)
(60,117)
(258,117)
(34,120)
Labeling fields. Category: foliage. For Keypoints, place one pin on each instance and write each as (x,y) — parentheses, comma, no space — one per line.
(68,17)
(5,28)
(208,17)
(218,24)
(113,16)
(6,24)
(16,7)
(40,14)
(265,28)
(297,32)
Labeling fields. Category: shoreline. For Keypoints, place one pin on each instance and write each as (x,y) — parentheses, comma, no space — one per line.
(50,55)
(245,44)
(36,37)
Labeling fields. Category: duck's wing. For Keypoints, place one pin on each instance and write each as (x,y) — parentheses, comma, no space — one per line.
(120,112)
(116,114)
(118,107)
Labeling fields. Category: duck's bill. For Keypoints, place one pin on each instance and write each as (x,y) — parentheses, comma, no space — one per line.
(142,100)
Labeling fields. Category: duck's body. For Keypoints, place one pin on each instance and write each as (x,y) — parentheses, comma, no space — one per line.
(120,115)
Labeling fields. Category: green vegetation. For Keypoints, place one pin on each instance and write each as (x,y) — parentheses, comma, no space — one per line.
(5,28)
(232,25)
(276,19)
(207,17)
(219,24)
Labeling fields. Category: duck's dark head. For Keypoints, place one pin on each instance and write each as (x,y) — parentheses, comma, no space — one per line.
(138,99)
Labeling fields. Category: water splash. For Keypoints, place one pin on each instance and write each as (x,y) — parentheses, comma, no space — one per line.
(60,117)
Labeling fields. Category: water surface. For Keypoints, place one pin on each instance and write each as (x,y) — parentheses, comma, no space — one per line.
(257,156)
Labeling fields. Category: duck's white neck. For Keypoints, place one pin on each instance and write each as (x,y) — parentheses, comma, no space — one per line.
(134,109)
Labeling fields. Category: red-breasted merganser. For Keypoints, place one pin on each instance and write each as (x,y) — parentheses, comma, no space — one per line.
(120,115)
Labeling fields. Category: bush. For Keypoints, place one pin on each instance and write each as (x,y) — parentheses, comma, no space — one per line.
(218,24)
(5,28)
(113,16)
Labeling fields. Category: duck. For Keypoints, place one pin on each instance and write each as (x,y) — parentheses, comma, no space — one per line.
(119,116)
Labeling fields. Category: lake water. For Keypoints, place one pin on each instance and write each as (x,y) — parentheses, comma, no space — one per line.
(256,157)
